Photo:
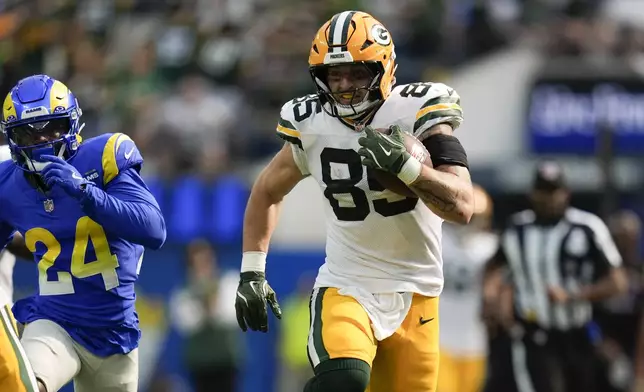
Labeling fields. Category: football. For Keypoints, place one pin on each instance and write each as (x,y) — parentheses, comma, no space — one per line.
(390,181)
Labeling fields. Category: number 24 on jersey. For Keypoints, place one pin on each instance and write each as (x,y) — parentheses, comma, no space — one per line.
(86,231)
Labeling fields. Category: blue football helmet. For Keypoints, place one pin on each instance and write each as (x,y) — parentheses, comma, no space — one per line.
(41,116)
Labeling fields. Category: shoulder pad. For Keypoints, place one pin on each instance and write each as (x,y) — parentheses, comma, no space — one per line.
(293,116)
(434,103)
(119,154)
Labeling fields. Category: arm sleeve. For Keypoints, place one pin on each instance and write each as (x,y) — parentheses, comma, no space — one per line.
(127,209)
(441,105)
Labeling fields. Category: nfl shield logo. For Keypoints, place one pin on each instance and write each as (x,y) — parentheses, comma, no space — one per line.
(49,205)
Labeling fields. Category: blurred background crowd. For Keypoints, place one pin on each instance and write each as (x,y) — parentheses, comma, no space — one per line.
(198,85)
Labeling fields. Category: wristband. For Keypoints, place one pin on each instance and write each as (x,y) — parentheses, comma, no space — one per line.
(253,261)
(410,170)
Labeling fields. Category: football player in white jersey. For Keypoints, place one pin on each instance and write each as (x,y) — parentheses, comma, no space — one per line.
(378,288)
(466,249)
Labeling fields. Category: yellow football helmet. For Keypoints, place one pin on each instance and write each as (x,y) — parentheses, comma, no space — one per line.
(353,37)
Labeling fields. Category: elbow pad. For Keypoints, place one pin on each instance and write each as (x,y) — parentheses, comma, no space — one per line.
(446,150)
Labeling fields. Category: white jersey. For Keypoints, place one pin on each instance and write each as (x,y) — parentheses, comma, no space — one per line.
(7,260)
(377,240)
(465,255)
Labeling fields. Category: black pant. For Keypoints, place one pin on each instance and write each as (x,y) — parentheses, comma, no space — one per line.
(554,361)
(219,379)
(499,377)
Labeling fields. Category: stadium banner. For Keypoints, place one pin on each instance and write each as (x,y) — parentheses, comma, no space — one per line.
(564,114)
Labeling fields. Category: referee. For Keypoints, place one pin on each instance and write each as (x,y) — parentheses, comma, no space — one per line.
(558,260)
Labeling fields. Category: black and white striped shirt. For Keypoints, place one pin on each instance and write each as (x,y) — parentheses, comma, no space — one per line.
(570,254)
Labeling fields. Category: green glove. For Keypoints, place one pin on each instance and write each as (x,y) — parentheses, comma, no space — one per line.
(250,304)
(388,153)
(384,152)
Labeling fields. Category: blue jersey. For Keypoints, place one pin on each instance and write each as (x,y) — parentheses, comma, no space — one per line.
(88,251)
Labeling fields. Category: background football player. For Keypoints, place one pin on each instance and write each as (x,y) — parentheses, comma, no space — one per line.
(463,337)
(86,215)
(379,285)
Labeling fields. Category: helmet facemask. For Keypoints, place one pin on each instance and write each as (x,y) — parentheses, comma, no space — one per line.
(354,101)
(30,141)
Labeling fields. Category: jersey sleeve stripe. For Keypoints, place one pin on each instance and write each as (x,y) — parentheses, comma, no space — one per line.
(441,99)
(452,115)
(287,124)
(108,161)
(437,108)
(291,139)
(286,130)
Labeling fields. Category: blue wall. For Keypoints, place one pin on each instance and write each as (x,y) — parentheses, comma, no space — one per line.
(194,208)
(163,271)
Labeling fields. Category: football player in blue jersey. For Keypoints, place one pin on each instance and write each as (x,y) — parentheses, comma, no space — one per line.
(86,216)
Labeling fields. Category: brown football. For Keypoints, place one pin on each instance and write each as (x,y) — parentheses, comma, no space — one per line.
(390,181)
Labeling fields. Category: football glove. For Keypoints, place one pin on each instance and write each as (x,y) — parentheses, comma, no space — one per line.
(253,293)
(384,152)
(61,173)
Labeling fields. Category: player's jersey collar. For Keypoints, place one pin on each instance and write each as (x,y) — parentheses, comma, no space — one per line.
(35,183)
(361,121)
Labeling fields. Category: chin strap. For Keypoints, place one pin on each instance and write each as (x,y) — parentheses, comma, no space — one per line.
(36,166)
(360,120)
